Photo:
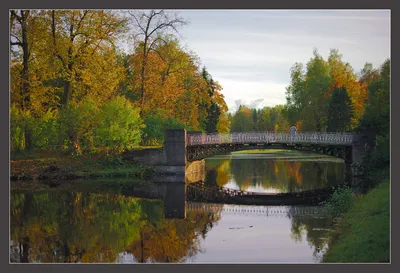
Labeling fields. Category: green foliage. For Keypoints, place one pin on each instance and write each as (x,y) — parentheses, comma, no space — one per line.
(266,119)
(119,127)
(340,111)
(377,118)
(20,122)
(77,123)
(340,201)
(214,110)
(115,126)
(153,133)
(363,234)
(45,132)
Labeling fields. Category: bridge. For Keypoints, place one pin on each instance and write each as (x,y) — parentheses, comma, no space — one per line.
(182,147)
(266,211)
(200,146)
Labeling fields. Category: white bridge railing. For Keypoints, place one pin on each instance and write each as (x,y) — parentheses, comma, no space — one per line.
(268,137)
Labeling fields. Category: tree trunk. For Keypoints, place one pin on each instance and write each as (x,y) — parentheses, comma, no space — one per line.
(25,250)
(67,92)
(142,74)
(25,92)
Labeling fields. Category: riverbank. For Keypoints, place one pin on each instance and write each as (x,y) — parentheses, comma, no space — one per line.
(363,233)
(57,166)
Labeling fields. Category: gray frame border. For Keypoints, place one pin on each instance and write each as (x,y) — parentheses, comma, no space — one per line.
(174,4)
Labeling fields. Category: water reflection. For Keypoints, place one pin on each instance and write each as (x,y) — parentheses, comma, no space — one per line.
(155,223)
(84,227)
(274,175)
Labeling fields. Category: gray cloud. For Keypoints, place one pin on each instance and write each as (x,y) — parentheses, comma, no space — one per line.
(258,103)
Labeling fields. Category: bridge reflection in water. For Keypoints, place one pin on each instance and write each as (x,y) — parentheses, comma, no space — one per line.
(177,205)
(266,211)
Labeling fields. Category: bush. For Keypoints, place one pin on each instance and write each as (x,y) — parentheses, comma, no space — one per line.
(46,130)
(120,125)
(153,133)
(20,122)
(77,123)
(115,126)
(340,201)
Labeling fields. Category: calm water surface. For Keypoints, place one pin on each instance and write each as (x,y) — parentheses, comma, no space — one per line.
(68,226)
(275,172)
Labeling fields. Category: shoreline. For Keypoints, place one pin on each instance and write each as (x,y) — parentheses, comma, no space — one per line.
(56,166)
(362,234)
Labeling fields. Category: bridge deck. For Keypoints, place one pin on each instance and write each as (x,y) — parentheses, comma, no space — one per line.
(344,139)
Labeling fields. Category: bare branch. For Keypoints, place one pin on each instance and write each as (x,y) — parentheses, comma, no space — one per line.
(15,15)
(16,37)
(155,40)
(137,23)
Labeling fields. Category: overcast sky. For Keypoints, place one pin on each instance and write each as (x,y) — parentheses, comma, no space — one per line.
(250,52)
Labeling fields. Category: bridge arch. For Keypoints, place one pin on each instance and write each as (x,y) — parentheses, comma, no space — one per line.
(351,147)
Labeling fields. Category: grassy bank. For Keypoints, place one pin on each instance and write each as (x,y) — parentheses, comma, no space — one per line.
(56,165)
(363,234)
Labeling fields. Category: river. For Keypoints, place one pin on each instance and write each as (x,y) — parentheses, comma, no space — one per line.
(84,226)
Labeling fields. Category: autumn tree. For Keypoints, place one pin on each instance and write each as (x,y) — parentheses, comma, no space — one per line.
(368,74)
(342,75)
(22,33)
(149,29)
(311,88)
(78,39)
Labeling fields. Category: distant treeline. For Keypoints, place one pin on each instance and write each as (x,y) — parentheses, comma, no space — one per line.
(328,96)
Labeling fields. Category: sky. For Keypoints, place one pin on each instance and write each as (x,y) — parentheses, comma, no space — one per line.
(250,52)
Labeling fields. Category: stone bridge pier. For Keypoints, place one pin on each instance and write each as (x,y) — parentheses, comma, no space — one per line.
(175,147)
(363,144)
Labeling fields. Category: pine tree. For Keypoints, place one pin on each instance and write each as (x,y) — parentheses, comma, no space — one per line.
(340,111)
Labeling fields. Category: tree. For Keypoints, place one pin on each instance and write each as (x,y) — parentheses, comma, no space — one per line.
(340,111)
(218,106)
(317,83)
(377,115)
(151,26)
(368,74)
(242,120)
(21,36)
(78,37)
(342,75)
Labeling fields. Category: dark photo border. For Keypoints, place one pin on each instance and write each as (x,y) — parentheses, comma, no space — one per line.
(183,4)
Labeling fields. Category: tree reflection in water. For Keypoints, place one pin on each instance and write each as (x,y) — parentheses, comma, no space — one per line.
(71,227)
(316,230)
(276,175)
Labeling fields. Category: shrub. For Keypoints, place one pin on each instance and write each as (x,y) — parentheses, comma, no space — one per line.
(153,133)
(20,122)
(120,125)
(77,123)
(46,130)
(340,201)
